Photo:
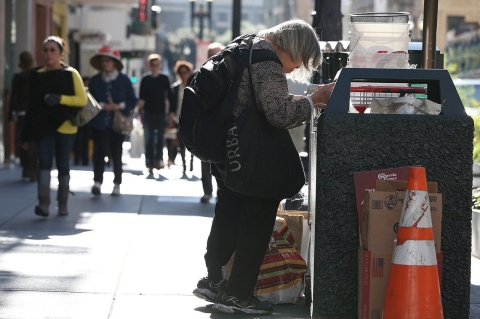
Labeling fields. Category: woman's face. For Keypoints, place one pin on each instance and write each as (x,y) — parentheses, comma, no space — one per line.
(108,65)
(288,63)
(51,53)
(184,74)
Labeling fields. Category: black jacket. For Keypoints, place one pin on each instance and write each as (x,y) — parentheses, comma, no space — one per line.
(41,119)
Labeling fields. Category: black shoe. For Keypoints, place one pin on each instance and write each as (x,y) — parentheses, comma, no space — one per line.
(231,304)
(207,290)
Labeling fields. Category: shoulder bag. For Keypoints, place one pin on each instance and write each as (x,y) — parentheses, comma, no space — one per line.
(88,112)
(122,123)
(261,160)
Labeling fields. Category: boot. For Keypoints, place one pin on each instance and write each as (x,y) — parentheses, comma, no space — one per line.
(43,200)
(62,194)
(62,197)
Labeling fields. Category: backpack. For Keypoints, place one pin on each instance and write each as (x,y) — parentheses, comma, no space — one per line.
(206,113)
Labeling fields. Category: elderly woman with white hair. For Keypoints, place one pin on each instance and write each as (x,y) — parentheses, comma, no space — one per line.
(244,223)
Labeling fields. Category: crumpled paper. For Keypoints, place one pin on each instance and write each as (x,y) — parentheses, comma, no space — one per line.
(408,104)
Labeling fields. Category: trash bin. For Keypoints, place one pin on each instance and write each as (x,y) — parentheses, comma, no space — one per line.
(343,143)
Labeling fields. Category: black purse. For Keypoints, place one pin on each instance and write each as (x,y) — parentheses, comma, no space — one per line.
(261,160)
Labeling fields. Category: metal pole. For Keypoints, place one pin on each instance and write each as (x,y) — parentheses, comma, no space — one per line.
(210,18)
(429,44)
(201,16)
(192,12)
(237,13)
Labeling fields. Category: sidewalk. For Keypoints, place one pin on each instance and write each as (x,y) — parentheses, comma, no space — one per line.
(139,255)
(134,256)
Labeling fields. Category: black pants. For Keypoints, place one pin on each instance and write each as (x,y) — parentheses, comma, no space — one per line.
(154,133)
(207,179)
(244,225)
(107,142)
(80,148)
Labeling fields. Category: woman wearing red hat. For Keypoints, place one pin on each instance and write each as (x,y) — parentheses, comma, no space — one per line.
(114,91)
(55,95)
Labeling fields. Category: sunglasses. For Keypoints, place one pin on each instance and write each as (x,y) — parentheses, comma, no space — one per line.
(154,64)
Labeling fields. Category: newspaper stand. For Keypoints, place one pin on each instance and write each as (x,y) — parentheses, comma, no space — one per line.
(343,143)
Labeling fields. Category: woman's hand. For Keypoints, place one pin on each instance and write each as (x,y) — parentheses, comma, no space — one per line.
(171,123)
(111,106)
(321,97)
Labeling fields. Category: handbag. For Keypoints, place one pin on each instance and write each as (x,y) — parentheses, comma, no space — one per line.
(261,160)
(88,112)
(122,124)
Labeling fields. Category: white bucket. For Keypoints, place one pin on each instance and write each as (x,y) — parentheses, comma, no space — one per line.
(379,27)
(380,33)
(378,61)
(378,44)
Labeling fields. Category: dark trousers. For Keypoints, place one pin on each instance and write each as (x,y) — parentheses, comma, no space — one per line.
(56,145)
(80,147)
(28,158)
(154,132)
(207,178)
(244,225)
(107,142)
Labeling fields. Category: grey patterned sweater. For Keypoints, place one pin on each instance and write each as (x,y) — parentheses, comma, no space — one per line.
(271,91)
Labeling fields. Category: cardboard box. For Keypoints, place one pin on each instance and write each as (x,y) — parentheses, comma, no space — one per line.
(364,181)
(373,271)
(382,209)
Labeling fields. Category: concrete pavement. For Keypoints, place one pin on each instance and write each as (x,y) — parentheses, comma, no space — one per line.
(139,255)
(134,256)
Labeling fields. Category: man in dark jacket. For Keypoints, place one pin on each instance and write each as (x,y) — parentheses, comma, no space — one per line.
(154,88)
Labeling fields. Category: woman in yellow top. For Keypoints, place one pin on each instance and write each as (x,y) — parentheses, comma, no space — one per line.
(56,94)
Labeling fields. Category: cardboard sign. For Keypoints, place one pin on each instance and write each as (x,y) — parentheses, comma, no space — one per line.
(365,181)
(382,210)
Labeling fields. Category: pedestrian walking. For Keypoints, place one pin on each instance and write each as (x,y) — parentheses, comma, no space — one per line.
(183,69)
(154,90)
(113,90)
(56,94)
(213,48)
(243,224)
(17,110)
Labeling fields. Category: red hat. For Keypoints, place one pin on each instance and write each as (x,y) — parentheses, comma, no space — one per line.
(106,51)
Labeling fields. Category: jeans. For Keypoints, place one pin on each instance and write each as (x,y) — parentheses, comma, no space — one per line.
(58,145)
(154,132)
(107,143)
(244,225)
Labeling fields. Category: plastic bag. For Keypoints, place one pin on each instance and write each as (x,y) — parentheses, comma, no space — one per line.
(408,104)
(137,140)
(281,275)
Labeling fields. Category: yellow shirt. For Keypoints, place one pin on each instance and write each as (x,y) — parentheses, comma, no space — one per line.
(77,100)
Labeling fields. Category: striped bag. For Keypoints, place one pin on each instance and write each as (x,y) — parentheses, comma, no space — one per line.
(281,275)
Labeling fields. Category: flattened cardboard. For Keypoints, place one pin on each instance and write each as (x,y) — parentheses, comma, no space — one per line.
(366,181)
(373,271)
(381,216)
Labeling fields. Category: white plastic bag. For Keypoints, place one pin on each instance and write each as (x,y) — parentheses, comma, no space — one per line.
(136,140)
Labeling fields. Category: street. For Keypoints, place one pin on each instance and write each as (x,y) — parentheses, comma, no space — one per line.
(138,255)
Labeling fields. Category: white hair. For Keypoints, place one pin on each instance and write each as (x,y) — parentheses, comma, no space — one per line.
(300,41)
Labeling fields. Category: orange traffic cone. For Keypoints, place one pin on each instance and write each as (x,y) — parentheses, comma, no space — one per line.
(413,290)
